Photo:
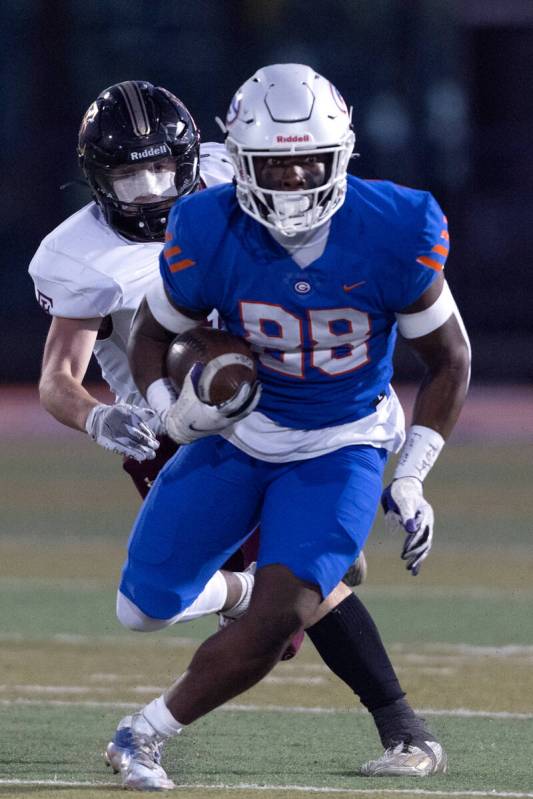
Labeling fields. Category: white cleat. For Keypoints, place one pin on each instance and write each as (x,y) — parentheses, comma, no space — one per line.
(135,753)
(357,572)
(408,760)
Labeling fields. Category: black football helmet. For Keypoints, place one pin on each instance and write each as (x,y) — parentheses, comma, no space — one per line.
(139,149)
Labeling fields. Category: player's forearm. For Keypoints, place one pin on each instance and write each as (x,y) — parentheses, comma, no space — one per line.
(147,361)
(442,394)
(66,399)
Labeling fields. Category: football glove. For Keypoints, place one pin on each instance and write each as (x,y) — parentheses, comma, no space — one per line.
(124,429)
(190,418)
(405,508)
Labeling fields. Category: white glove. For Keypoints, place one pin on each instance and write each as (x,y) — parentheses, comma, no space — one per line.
(190,418)
(405,508)
(124,429)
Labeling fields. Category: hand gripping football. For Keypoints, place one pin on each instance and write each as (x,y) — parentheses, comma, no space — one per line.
(227,362)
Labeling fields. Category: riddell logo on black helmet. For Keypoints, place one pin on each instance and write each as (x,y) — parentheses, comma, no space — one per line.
(149,152)
(280,139)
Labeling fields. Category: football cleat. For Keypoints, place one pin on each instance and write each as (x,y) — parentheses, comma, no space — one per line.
(135,753)
(414,759)
(356,574)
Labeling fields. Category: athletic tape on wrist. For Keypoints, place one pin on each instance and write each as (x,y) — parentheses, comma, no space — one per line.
(161,395)
(420,451)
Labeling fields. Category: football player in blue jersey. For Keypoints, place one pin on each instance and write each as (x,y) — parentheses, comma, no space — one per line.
(318,270)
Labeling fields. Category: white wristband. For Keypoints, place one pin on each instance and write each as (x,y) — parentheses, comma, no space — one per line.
(89,422)
(161,395)
(420,451)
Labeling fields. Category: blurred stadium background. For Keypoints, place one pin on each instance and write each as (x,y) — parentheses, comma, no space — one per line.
(441,96)
(442,101)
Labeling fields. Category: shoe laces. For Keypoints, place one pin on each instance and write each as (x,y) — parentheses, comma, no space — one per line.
(406,731)
(397,747)
(143,748)
(407,745)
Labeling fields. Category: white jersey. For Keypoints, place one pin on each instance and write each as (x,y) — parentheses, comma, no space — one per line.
(84,269)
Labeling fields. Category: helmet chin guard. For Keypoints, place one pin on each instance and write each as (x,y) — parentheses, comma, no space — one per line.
(287,110)
(139,149)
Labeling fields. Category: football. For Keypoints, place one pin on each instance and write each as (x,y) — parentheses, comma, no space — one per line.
(227,359)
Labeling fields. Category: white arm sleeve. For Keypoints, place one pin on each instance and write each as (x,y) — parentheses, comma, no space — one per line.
(414,325)
(165,313)
(420,324)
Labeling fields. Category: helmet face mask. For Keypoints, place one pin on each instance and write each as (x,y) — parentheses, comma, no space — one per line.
(139,150)
(289,112)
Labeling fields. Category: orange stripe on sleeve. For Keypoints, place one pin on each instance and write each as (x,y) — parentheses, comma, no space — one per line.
(440,250)
(168,236)
(179,265)
(170,251)
(429,262)
(445,235)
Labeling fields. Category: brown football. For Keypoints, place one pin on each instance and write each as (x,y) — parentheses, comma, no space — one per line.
(227,359)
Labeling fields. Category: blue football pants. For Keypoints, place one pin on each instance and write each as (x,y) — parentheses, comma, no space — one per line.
(315,516)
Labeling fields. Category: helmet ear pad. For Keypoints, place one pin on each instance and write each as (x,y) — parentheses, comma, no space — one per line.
(130,123)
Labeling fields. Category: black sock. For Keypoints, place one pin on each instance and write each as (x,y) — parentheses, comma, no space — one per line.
(349,643)
(397,723)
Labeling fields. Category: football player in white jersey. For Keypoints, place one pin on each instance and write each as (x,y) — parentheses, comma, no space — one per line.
(139,149)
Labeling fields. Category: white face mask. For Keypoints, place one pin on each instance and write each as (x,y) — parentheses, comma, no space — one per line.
(148,184)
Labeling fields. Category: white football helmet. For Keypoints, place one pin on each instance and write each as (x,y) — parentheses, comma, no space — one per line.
(287,109)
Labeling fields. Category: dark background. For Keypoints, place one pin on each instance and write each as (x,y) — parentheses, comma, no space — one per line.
(442,100)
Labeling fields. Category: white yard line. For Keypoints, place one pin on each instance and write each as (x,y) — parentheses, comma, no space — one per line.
(137,689)
(474,592)
(75,639)
(245,786)
(470,650)
(232,707)
(432,650)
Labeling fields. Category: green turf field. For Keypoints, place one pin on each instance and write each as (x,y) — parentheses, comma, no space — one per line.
(461,636)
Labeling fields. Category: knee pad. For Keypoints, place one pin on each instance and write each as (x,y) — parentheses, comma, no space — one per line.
(132,617)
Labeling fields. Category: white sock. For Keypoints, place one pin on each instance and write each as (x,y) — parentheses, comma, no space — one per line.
(161,719)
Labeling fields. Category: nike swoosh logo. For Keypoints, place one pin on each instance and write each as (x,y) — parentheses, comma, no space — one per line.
(353,285)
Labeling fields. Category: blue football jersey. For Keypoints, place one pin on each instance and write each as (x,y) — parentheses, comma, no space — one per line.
(324,335)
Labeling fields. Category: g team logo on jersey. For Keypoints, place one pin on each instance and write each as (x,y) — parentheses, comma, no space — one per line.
(302,287)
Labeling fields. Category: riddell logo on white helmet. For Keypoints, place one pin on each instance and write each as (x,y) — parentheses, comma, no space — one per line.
(149,152)
(281,139)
